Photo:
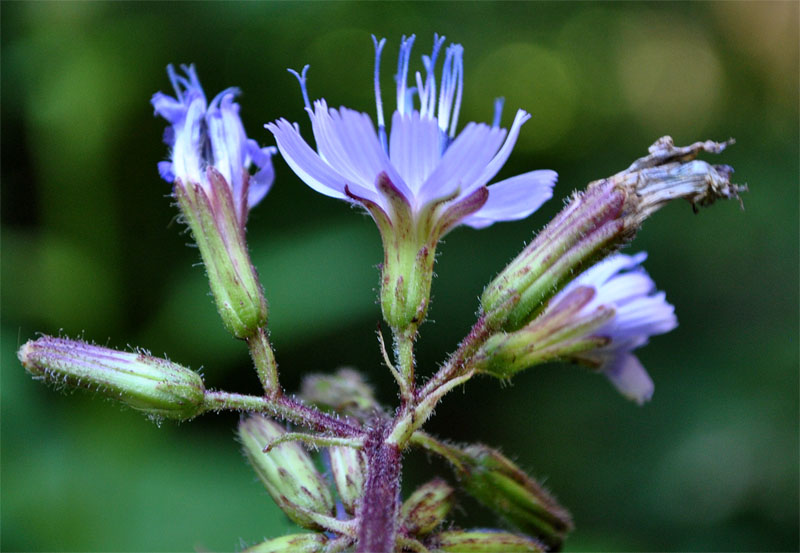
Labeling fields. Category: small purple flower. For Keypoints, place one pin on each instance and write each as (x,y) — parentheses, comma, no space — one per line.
(204,135)
(622,285)
(423,169)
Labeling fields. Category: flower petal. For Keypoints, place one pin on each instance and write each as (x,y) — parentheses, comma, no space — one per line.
(309,166)
(414,147)
(347,141)
(514,198)
(628,376)
(500,158)
(462,163)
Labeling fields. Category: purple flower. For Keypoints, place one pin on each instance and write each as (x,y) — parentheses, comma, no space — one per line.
(622,285)
(204,135)
(423,168)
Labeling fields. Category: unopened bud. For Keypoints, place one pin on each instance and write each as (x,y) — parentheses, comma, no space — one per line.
(599,221)
(345,392)
(287,471)
(349,472)
(157,387)
(498,483)
(484,541)
(293,543)
(426,508)
(219,235)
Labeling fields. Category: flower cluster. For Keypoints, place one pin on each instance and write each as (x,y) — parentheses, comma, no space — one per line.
(567,296)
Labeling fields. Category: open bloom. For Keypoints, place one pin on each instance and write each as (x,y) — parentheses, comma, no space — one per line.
(423,160)
(202,135)
(420,178)
(623,288)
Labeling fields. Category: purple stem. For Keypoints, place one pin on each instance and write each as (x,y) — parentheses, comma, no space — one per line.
(379,505)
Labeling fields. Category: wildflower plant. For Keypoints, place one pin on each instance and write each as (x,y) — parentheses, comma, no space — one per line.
(568,296)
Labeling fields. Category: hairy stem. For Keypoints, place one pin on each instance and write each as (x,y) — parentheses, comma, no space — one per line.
(282,407)
(404,352)
(264,360)
(458,362)
(378,513)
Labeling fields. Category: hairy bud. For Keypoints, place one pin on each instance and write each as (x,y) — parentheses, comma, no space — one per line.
(154,386)
(426,508)
(287,472)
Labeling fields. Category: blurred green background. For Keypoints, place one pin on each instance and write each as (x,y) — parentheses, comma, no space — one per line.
(90,248)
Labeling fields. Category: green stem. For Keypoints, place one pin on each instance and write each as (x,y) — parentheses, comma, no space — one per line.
(404,352)
(264,360)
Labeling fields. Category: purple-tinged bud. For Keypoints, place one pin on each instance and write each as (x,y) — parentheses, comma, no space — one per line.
(231,275)
(288,473)
(600,220)
(499,484)
(426,508)
(483,541)
(293,543)
(557,333)
(349,471)
(157,387)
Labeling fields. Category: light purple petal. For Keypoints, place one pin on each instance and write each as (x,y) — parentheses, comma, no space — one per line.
(311,169)
(462,162)
(165,170)
(628,376)
(261,181)
(499,160)
(414,147)
(346,140)
(515,198)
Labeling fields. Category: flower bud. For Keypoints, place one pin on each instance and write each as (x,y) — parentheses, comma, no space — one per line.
(484,541)
(600,220)
(157,387)
(287,472)
(427,507)
(349,472)
(344,392)
(211,215)
(293,543)
(502,486)
(561,331)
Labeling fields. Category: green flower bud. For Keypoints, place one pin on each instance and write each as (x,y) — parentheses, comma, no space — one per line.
(426,508)
(558,333)
(157,387)
(483,541)
(344,392)
(494,480)
(287,472)
(293,543)
(220,237)
(349,472)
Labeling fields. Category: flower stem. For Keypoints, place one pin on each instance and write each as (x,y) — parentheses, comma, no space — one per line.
(458,362)
(378,513)
(282,407)
(404,352)
(264,360)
